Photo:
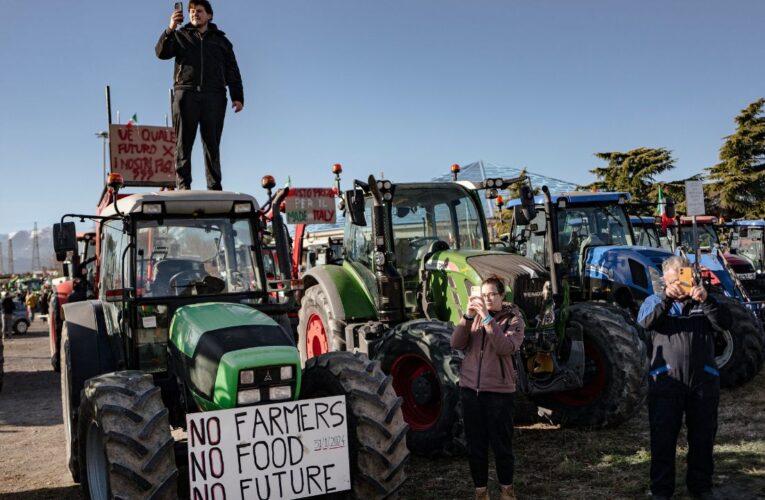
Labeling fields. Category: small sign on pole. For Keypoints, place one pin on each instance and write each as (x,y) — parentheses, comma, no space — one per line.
(144,155)
(694,198)
(310,206)
(293,449)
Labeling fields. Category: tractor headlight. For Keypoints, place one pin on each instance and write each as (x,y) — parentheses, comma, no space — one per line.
(246,377)
(279,392)
(285,372)
(656,280)
(248,397)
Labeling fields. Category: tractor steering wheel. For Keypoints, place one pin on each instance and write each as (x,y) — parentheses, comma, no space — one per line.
(422,240)
(188,278)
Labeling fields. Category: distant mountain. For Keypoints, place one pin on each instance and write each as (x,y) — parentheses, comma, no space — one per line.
(22,250)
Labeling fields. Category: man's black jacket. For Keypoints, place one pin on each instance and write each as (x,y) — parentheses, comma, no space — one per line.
(682,341)
(203,62)
(8,305)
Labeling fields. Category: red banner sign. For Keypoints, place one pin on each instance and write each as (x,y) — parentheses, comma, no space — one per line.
(145,156)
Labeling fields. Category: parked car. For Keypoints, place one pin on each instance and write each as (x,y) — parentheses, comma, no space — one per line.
(20,319)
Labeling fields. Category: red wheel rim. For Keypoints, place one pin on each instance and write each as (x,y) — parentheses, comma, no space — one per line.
(316,337)
(594,379)
(414,379)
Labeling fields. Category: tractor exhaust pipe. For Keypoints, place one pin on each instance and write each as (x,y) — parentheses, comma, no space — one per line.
(553,252)
(390,285)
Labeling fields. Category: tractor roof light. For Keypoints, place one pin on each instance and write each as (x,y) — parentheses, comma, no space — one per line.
(455,168)
(242,207)
(337,169)
(268,182)
(152,208)
(115,181)
(622,200)
(562,203)
(499,201)
(490,183)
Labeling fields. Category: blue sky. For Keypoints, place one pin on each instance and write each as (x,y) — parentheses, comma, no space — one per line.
(406,87)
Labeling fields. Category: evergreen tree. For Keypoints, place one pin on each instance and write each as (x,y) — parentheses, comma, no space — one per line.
(740,175)
(633,172)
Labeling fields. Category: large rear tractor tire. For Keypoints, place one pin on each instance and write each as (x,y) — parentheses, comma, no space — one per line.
(125,446)
(376,428)
(739,350)
(616,365)
(318,330)
(425,372)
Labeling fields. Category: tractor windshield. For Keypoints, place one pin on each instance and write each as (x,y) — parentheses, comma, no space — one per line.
(647,235)
(749,244)
(592,225)
(707,236)
(181,257)
(422,215)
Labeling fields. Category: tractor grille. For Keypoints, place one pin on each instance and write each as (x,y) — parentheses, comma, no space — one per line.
(524,277)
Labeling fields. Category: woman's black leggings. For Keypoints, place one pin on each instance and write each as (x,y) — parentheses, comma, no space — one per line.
(488,419)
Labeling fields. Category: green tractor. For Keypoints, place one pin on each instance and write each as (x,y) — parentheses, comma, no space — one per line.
(412,252)
(186,320)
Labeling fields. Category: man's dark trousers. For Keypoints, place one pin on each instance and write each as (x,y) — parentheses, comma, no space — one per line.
(665,413)
(206,110)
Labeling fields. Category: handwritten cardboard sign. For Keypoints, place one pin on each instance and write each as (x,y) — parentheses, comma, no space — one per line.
(145,156)
(310,206)
(293,449)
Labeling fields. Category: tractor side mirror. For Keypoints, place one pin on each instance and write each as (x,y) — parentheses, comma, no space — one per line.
(64,239)
(355,201)
(670,208)
(519,216)
(527,202)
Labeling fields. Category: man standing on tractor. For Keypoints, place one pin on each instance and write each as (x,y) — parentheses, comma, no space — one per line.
(681,323)
(204,66)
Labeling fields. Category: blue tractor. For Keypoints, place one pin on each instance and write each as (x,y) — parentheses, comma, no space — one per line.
(594,247)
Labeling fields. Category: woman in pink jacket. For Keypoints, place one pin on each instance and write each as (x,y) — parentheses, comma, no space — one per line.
(489,334)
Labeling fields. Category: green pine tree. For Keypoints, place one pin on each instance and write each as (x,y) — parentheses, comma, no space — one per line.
(633,172)
(740,176)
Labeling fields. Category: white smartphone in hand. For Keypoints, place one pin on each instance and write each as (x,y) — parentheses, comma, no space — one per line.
(475,291)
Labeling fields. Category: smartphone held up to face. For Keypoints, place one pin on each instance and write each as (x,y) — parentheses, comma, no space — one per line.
(179,7)
(686,280)
(475,291)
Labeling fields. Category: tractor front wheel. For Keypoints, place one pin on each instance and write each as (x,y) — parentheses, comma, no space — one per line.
(125,446)
(739,350)
(318,330)
(425,372)
(615,368)
(376,428)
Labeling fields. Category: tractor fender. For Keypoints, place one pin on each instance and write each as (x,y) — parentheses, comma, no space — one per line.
(346,294)
(88,350)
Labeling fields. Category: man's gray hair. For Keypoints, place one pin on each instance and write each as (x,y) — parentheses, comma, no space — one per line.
(675,262)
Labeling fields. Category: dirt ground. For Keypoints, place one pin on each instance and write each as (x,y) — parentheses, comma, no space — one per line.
(550,463)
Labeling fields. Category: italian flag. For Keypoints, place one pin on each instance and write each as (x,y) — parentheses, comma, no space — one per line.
(133,120)
(661,209)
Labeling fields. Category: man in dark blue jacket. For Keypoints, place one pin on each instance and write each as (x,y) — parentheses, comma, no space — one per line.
(681,327)
(204,66)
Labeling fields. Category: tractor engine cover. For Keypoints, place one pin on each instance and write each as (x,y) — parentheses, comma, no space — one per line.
(212,342)
(525,278)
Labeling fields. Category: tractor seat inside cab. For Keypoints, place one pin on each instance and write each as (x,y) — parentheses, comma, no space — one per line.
(164,271)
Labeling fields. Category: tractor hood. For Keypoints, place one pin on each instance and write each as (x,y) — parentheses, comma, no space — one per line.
(213,342)
(639,268)
(451,273)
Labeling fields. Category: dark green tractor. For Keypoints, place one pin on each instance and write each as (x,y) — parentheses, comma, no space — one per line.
(187,320)
(412,252)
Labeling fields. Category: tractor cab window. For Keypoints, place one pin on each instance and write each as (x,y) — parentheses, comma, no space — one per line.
(707,236)
(533,242)
(421,216)
(749,244)
(114,266)
(647,236)
(181,257)
(592,226)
